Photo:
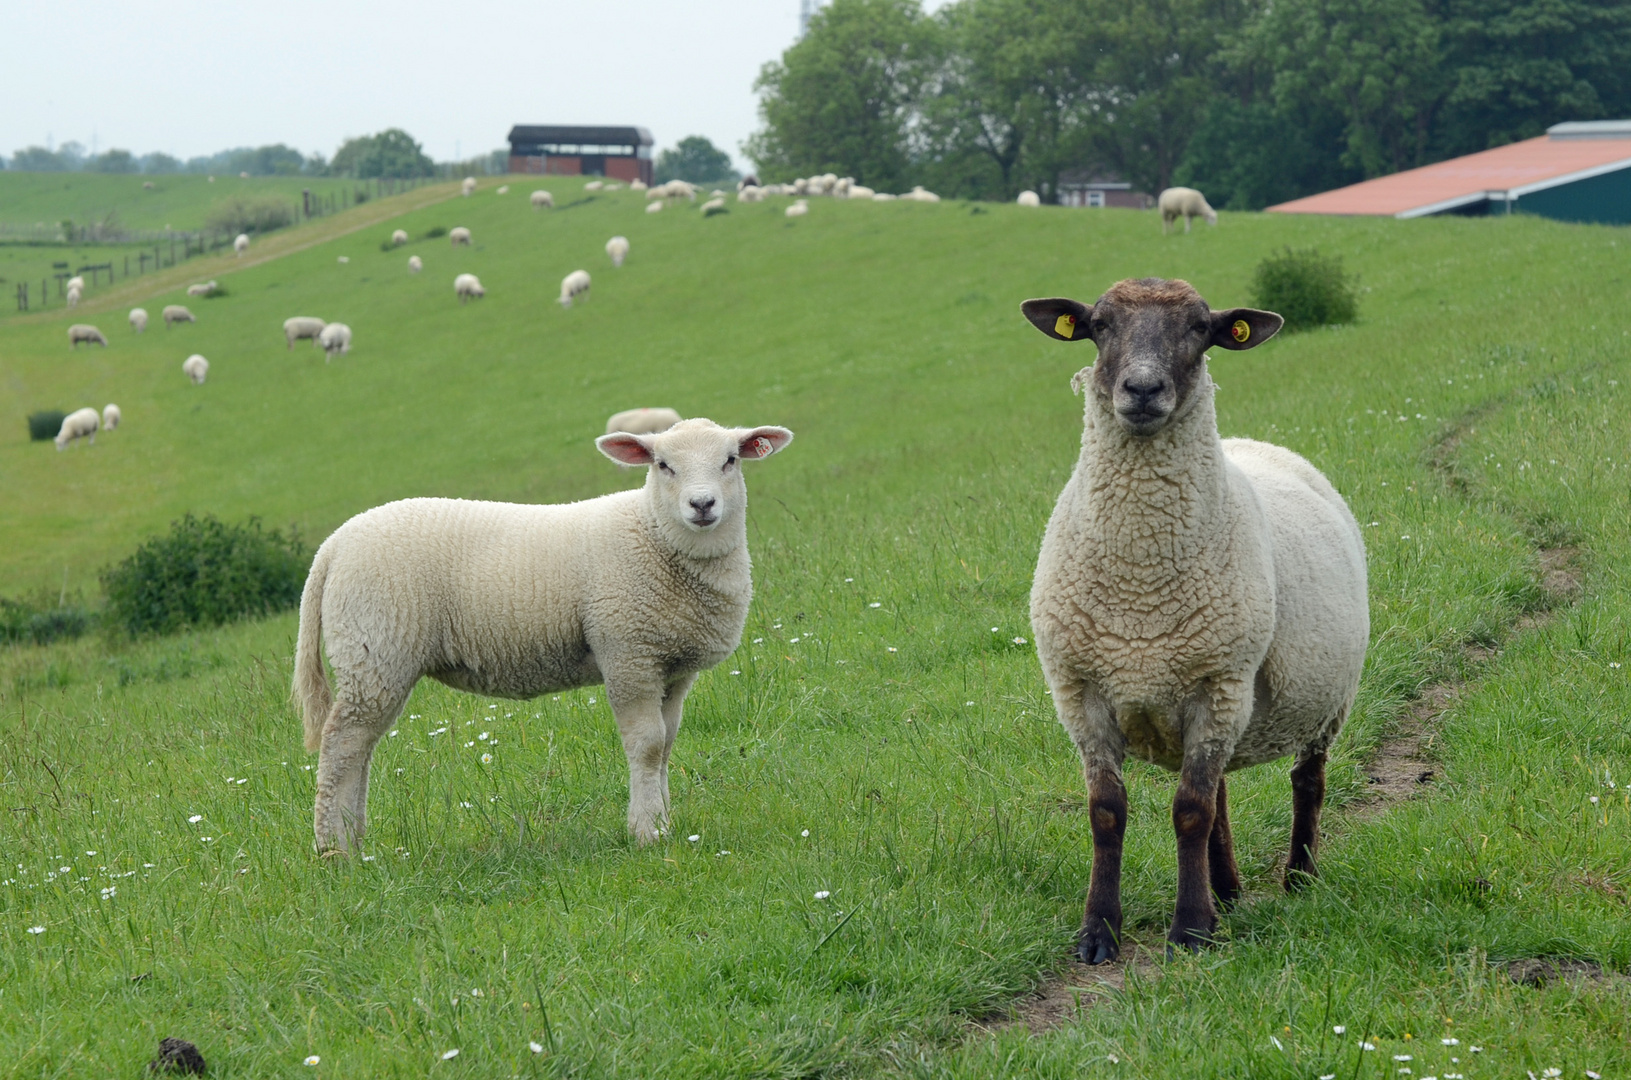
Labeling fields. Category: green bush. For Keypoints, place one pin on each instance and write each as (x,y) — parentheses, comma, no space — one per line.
(435,232)
(242,215)
(42,619)
(45,424)
(205,573)
(1306,288)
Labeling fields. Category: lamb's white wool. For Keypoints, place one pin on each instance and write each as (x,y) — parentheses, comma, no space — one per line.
(613,187)
(468,187)
(174,313)
(138,319)
(594,185)
(637,185)
(466,286)
(503,189)
(918,194)
(79,424)
(240,244)
(302,327)
(798,209)
(652,208)
(75,282)
(617,248)
(335,339)
(884,196)
(459,236)
(86,333)
(751,194)
(343,259)
(399,237)
(542,198)
(111,417)
(202,288)
(859,191)
(1200,603)
(415,264)
(642,421)
(574,286)
(73,297)
(713,206)
(640,590)
(1029,198)
(1176,202)
(196,368)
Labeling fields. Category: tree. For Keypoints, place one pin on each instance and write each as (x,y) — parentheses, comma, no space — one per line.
(392,153)
(696,160)
(37,159)
(843,99)
(160,163)
(114,161)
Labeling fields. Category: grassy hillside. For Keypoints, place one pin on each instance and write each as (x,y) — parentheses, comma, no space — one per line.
(902,757)
(174,202)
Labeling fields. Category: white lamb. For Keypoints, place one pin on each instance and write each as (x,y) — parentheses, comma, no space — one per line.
(399,237)
(84,333)
(459,236)
(1029,198)
(466,286)
(652,208)
(884,196)
(503,189)
(111,417)
(574,286)
(640,590)
(594,185)
(617,248)
(203,288)
(174,313)
(798,209)
(713,206)
(1198,602)
(637,185)
(859,191)
(919,194)
(302,327)
(415,264)
(642,421)
(73,297)
(79,424)
(75,282)
(196,368)
(542,199)
(335,339)
(751,194)
(1176,202)
(138,319)
(240,244)
(468,187)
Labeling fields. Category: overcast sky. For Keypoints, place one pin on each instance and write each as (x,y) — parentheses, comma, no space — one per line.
(190,77)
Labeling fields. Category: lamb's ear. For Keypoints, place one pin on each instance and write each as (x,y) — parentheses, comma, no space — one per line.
(761,442)
(1244,327)
(1059,318)
(626,449)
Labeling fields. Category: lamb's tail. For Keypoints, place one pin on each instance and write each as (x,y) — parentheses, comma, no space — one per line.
(311,689)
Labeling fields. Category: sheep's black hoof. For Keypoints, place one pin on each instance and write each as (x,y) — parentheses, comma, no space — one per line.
(1191,939)
(1098,945)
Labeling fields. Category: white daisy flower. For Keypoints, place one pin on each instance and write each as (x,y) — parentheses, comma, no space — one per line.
(537,1048)
(195,819)
(312,1060)
(36,929)
(822,894)
(449,1055)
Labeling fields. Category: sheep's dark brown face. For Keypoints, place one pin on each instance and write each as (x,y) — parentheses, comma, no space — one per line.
(1152,336)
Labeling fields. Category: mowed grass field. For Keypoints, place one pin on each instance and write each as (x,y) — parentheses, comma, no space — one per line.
(176,201)
(883,735)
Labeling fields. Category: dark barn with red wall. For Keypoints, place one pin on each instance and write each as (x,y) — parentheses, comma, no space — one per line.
(617,153)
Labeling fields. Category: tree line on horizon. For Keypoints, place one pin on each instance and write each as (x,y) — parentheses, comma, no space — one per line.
(1252,101)
(390,154)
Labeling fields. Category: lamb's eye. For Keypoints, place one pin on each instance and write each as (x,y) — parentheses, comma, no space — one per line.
(663,465)
(1200,328)
(730,461)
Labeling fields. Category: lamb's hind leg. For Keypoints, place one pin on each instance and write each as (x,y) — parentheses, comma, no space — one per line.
(1220,853)
(340,815)
(1307,797)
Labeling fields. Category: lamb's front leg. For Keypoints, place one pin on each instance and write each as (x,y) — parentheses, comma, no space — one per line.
(1092,727)
(638,707)
(1194,813)
(673,711)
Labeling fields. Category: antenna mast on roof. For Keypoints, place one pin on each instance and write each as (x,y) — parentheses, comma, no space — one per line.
(807,9)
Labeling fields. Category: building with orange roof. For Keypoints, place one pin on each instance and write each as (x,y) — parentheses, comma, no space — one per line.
(1575,172)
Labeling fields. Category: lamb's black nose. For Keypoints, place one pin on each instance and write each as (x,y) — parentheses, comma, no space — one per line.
(703,505)
(1143,388)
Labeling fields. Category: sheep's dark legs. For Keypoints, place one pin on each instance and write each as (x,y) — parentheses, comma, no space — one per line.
(1194,810)
(1100,938)
(1220,853)
(1307,797)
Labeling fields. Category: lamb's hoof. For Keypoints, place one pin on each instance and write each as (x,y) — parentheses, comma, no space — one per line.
(1189,939)
(333,853)
(1098,945)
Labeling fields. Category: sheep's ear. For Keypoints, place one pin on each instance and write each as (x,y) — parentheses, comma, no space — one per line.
(626,449)
(1244,327)
(1060,319)
(761,442)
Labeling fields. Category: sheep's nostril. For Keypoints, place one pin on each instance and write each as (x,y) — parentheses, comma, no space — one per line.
(1144,389)
(703,505)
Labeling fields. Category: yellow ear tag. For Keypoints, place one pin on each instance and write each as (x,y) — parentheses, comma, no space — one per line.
(1065,327)
(1241,330)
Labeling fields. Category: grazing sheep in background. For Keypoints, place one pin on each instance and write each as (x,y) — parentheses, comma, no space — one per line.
(859,191)
(73,297)
(918,194)
(459,236)
(399,237)
(573,286)
(466,286)
(751,194)
(175,313)
(1176,202)
(196,368)
(138,319)
(652,208)
(415,264)
(84,332)
(613,187)
(594,185)
(468,187)
(302,327)
(798,209)
(75,282)
(503,189)
(714,206)
(79,424)
(679,189)
(637,185)
(542,198)
(111,417)
(1029,198)
(202,288)
(750,180)
(240,244)
(1198,602)
(335,339)
(147,185)
(884,196)
(618,249)
(642,421)
(640,591)
(343,259)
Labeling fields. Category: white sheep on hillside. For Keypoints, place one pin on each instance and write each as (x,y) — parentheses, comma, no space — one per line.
(884,196)
(459,236)
(542,199)
(75,282)
(138,319)
(751,194)
(1198,602)
(111,417)
(174,313)
(466,287)
(503,189)
(240,244)
(617,248)
(574,286)
(73,297)
(1029,198)
(594,185)
(640,590)
(798,209)
(468,187)
(203,288)
(335,340)
(1176,202)
(652,208)
(415,264)
(859,191)
(920,194)
(87,334)
(302,327)
(642,421)
(79,424)
(399,237)
(637,185)
(196,368)
(714,206)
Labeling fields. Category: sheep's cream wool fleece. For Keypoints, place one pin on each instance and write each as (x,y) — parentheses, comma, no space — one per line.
(1185,565)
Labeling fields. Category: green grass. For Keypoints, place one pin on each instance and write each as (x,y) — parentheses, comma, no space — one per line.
(174,202)
(913,740)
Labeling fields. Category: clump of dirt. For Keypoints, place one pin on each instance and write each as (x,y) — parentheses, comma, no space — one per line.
(177,1055)
(1537,971)
(1064,995)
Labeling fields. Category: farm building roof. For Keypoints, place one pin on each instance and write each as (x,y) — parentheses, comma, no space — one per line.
(1566,154)
(587,135)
